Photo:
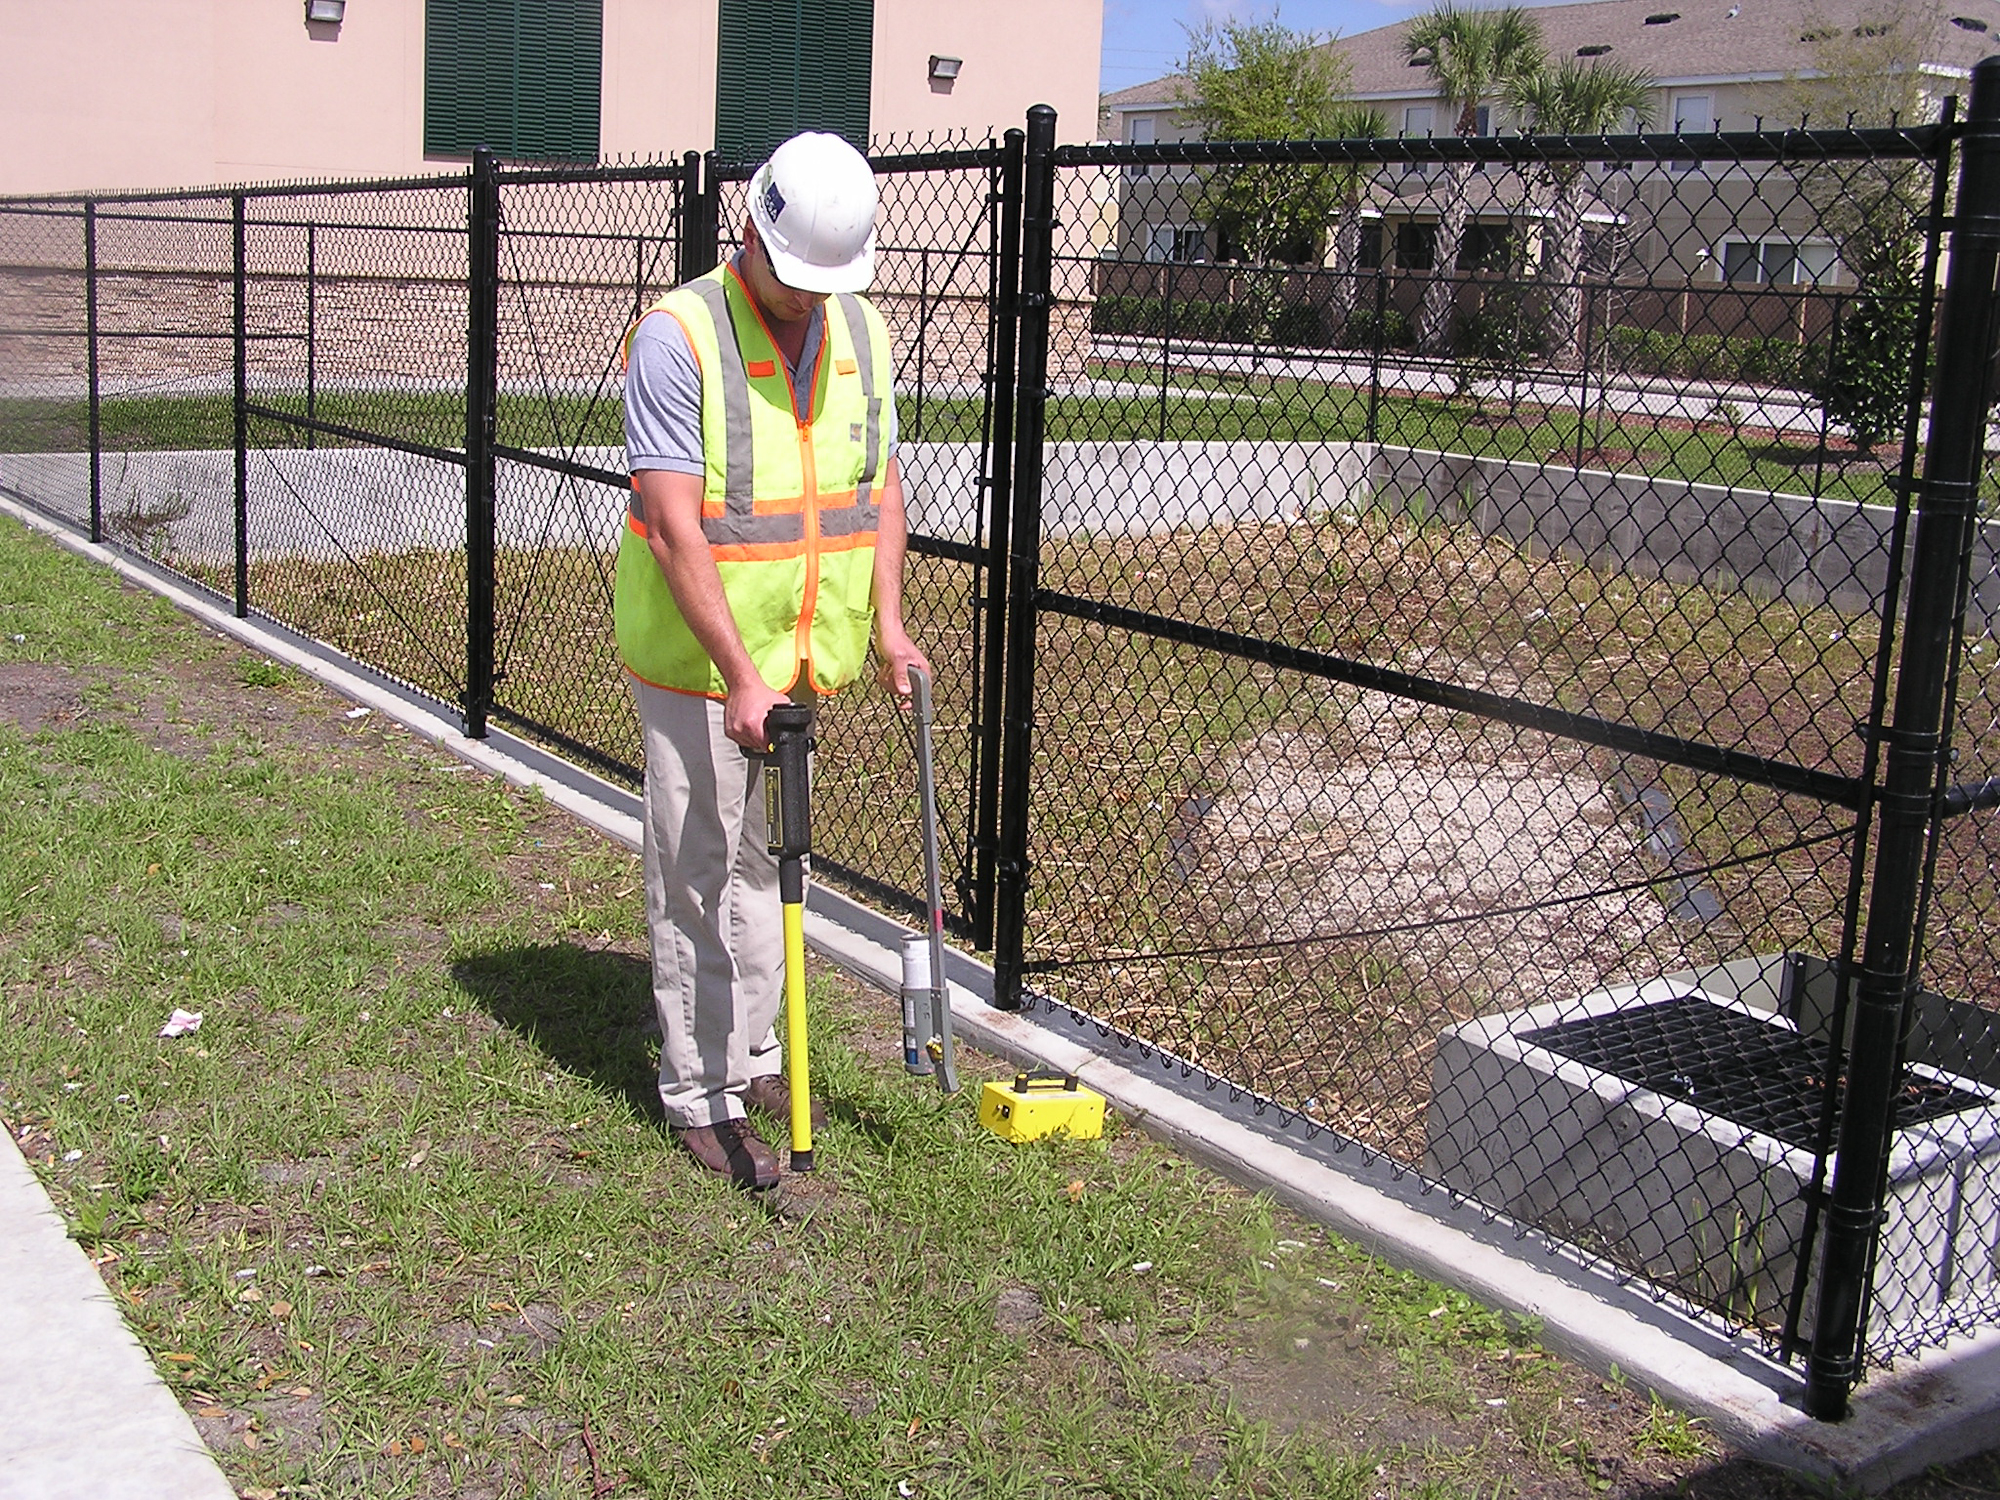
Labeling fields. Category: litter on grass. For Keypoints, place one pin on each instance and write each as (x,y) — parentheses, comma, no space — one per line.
(181,1022)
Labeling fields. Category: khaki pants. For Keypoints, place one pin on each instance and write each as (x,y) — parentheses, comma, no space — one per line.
(711,909)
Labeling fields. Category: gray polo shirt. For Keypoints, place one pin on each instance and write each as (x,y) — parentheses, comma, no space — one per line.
(663,395)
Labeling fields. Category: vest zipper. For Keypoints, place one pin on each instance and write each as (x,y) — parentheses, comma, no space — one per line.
(810,468)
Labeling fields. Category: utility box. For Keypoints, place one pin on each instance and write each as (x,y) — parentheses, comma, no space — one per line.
(1035,1105)
(1671,1130)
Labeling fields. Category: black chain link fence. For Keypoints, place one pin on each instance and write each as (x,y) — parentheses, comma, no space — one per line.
(1446,631)
(1454,665)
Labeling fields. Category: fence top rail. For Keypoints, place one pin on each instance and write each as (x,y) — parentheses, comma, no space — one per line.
(964,158)
(659,171)
(1779,146)
(224,193)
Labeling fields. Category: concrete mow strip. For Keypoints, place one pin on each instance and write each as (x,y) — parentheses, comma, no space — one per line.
(1930,1409)
(83,1413)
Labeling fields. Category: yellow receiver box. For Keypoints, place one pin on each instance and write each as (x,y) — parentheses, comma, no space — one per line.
(1035,1105)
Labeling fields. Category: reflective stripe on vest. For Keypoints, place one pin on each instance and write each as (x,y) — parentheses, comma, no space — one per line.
(789,508)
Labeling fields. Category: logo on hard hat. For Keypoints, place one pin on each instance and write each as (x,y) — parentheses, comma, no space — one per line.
(774,201)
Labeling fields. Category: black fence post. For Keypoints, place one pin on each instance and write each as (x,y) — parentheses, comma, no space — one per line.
(482,399)
(1825,420)
(1017,767)
(684,256)
(312,334)
(1000,394)
(701,233)
(90,366)
(1916,751)
(1375,354)
(1583,374)
(923,331)
(242,407)
(1168,289)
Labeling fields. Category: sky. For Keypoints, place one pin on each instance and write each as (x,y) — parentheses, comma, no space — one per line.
(1143,39)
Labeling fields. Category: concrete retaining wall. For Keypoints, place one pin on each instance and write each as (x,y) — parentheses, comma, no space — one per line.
(351,501)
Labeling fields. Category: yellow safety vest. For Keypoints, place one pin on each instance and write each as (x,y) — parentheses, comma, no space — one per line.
(789,507)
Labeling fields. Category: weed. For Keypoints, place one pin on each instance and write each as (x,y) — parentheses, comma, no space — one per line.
(260,672)
(1673,1434)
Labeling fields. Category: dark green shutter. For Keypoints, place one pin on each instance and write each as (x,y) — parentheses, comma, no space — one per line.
(520,76)
(783,66)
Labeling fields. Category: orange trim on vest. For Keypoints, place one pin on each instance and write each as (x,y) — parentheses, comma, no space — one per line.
(761,369)
(783,551)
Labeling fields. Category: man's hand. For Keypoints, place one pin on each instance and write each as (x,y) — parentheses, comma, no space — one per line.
(744,710)
(898,654)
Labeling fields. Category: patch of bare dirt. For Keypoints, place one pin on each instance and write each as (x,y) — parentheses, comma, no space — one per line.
(39,695)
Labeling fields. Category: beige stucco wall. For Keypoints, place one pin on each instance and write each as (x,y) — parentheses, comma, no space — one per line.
(1016,53)
(170,93)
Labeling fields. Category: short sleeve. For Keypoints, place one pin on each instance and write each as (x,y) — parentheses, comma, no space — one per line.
(662,399)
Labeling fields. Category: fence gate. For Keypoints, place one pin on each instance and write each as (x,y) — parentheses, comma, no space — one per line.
(1450,682)
(946,266)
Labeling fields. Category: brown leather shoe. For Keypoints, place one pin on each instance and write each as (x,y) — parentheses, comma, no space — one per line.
(732,1149)
(772,1095)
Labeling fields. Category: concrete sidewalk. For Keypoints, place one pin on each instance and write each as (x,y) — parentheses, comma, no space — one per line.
(83,1413)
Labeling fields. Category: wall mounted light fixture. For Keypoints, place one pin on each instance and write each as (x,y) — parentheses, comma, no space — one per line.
(944,69)
(326,10)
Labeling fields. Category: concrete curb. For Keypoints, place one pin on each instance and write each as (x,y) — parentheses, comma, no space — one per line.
(87,1417)
(1932,1409)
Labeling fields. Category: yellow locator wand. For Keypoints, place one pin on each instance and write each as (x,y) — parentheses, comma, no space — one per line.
(788,821)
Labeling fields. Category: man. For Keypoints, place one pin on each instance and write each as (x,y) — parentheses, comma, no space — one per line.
(766,533)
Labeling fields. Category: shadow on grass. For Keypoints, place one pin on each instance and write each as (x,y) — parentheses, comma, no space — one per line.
(590,1011)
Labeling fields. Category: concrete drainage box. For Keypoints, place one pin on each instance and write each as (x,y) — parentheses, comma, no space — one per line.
(1670,1130)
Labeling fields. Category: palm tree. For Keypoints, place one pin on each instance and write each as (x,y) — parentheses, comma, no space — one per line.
(1570,99)
(1471,56)
(1350,122)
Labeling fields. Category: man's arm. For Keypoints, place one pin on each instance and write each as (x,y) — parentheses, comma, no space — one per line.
(672,506)
(892,539)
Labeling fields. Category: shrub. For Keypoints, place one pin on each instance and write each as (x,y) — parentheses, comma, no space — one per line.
(1711,356)
(1397,331)
(1865,382)
(1300,325)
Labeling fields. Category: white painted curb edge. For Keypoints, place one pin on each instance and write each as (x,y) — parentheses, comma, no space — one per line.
(1932,1409)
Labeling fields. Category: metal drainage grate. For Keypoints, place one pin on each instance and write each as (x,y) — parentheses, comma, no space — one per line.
(1753,1072)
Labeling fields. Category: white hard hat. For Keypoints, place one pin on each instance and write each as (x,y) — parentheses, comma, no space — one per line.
(813,204)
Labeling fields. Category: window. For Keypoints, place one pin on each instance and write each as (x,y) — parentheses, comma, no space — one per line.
(783,66)
(1140,131)
(1777,263)
(519,76)
(1416,246)
(1182,242)
(1485,247)
(1694,114)
(1417,123)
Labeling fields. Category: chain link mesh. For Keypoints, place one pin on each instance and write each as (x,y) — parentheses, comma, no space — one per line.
(1458,632)
(45,358)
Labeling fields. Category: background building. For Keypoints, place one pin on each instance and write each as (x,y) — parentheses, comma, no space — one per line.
(153,93)
(1728,65)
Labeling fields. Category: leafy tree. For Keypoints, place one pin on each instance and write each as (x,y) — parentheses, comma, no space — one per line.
(1870,75)
(1261,81)
(1471,56)
(1570,99)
